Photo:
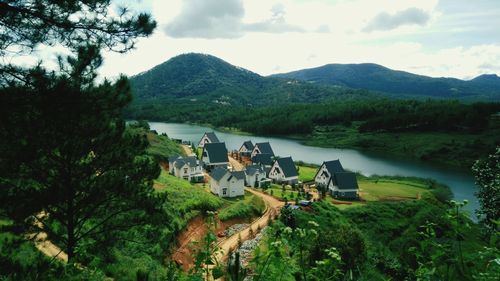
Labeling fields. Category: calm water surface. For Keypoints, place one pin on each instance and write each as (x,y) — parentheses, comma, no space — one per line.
(461,182)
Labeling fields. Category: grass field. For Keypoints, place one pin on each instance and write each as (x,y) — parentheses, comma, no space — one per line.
(277,191)
(306,173)
(247,207)
(189,200)
(386,189)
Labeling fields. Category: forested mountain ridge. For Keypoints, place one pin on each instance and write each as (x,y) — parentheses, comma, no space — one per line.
(199,77)
(376,77)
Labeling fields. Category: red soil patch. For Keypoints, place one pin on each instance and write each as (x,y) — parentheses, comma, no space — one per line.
(195,231)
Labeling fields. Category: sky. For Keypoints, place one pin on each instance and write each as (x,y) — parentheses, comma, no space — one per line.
(438,38)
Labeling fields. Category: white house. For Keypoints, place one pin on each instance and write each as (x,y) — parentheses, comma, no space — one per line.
(326,171)
(225,183)
(188,168)
(246,148)
(344,186)
(208,137)
(262,147)
(256,176)
(215,155)
(284,171)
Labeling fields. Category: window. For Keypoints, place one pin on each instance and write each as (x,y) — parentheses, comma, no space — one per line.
(185,170)
(224,191)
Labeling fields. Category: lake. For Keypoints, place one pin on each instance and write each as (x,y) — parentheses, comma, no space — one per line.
(460,182)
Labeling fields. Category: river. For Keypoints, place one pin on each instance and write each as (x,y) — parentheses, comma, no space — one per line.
(460,182)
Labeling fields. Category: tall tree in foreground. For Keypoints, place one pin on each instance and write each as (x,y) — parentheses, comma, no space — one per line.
(487,173)
(68,166)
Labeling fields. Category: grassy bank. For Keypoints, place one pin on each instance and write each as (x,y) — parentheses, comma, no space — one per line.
(247,207)
(452,149)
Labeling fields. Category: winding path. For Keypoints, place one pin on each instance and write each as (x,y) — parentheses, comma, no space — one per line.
(273,206)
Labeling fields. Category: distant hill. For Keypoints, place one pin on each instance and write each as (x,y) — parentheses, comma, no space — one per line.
(378,78)
(201,78)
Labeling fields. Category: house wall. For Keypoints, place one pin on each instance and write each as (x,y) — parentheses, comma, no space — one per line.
(255,151)
(214,186)
(251,178)
(203,141)
(234,187)
(321,180)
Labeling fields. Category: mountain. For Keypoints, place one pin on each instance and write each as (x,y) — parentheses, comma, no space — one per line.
(378,78)
(205,78)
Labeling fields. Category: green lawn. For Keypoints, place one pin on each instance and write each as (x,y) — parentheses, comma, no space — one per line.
(386,189)
(277,191)
(185,197)
(306,173)
(244,207)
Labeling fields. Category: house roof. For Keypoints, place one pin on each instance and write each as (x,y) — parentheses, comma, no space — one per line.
(346,180)
(334,166)
(218,173)
(212,137)
(287,166)
(265,147)
(263,159)
(252,169)
(173,158)
(190,160)
(240,175)
(217,152)
(248,145)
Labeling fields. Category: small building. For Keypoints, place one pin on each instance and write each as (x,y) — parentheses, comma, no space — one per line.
(284,171)
(214,155)
(256,177)
(188,168)
(344,186)
(208,137)
(171,161)
(326,171)
(225,183)
(246,148)
(262,147)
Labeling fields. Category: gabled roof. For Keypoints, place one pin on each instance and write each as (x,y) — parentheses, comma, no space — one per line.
(253,169)
(263,159)
(217,152)
(173,158)
(181,161)
(287,166)
(265,147)
(218,173)
(212,137)
(248,145)
(334,166)
(346,180)
(240,175)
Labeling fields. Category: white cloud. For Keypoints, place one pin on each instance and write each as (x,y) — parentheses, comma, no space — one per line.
(212,19)
(385,21)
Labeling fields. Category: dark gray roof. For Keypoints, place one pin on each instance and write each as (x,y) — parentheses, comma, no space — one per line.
(212,137)
(240,175)
(334,166)
(218,173)
(252,169)
(217,152)
(263,159)
(265,147)
(248,145)
(346,180)
(173,158)
(287,166)
(190,160)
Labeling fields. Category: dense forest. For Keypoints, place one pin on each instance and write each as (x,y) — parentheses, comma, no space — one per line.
(443,131)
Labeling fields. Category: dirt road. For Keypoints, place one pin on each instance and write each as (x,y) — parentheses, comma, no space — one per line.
(237,166)
(273,207)
(46,246)
(187,149)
